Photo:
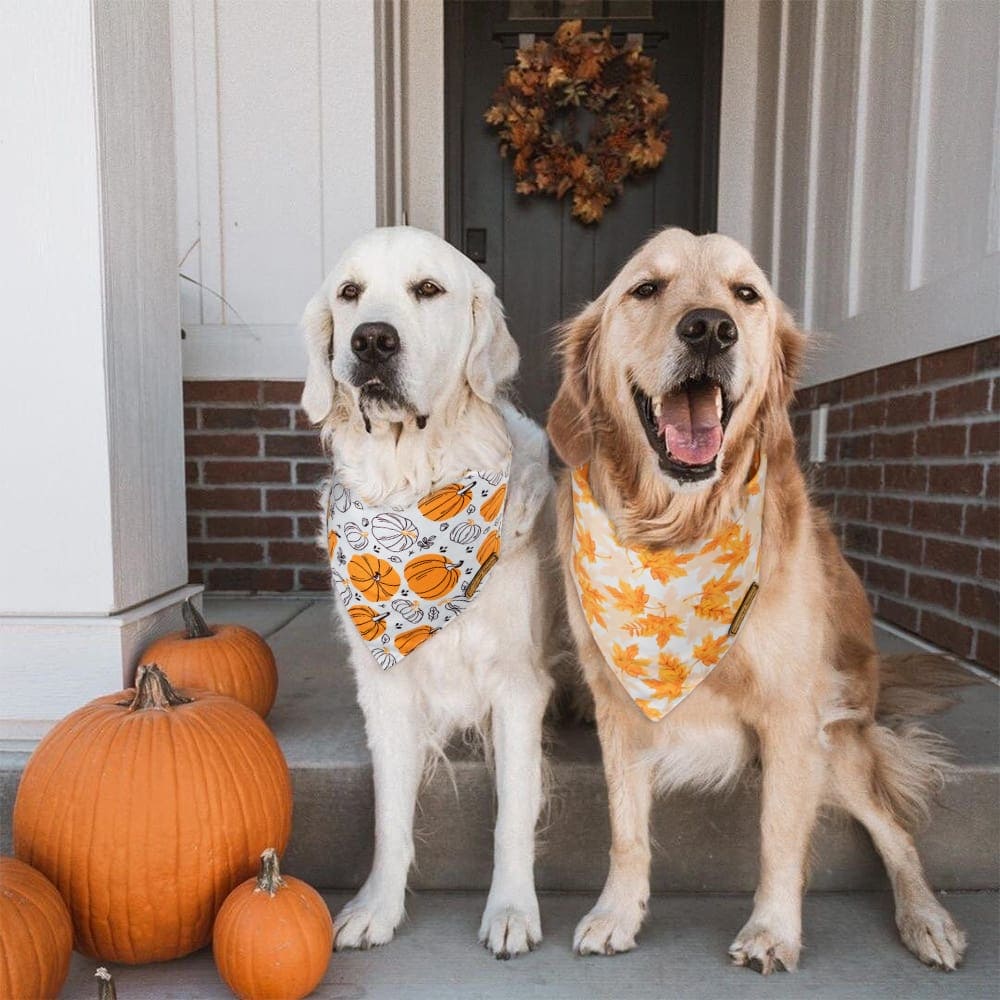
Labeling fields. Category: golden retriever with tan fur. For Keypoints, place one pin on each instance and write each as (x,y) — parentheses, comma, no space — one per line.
(676,381)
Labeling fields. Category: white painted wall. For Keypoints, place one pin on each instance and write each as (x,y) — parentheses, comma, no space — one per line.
(867,179)
(276,145)
(858,159)
(92,528)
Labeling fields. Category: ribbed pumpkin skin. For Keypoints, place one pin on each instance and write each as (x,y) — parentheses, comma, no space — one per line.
(234,661)
(36,934)
(145,820)
(273,946)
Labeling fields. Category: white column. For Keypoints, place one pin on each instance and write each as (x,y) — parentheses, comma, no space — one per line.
(92,512)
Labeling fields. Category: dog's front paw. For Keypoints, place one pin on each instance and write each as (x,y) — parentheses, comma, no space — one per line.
(366,921)
(765,950)
(510,930)
(929,931)
(606,931)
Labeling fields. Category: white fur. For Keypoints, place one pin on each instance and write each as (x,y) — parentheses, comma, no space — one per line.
(486,669)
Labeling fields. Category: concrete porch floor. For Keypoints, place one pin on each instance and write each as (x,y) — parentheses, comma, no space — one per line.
(852,952)
(703,872)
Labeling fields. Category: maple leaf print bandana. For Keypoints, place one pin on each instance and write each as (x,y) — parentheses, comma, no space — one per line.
(403,573)
(663,619)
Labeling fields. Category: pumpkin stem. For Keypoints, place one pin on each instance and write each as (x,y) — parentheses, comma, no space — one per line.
(194,622)
(153,690)
(269,878)
(105,985)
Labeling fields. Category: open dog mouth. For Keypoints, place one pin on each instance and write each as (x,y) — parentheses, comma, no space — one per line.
(686,426)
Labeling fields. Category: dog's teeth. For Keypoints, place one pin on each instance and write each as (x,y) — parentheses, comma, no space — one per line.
(718,402)
(657,407)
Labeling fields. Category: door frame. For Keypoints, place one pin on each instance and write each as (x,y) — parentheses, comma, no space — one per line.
(731,205)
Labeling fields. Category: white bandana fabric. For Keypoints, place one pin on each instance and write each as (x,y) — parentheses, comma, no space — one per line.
(663,619)
(404,573)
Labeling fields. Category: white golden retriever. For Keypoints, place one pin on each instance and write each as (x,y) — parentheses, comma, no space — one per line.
(408,358)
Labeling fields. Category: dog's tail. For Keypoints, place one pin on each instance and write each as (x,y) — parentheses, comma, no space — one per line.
(911,762)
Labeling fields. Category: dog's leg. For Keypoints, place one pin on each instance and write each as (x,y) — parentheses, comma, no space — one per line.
(511,923)
(925,926)
(793,765)
(398,753)
(611,926)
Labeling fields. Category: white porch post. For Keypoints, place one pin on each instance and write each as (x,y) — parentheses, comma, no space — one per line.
(92,510)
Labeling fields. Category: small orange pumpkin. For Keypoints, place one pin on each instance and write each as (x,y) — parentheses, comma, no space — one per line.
(228,659)
(432,575)
(445,502)
(37,939)
(374,577)
(407,642)
(368,624)
(332,540)
(273,936)
(145,808)
(489,547)
(492,507)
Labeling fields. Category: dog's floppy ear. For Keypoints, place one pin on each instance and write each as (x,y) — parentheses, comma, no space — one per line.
(569,423)
(791,353)
(493,357)
(317,323)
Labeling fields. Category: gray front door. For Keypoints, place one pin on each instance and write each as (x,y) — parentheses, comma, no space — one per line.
(545,263)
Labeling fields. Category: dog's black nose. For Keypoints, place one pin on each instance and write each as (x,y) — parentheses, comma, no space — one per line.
(374,343)
(710,331)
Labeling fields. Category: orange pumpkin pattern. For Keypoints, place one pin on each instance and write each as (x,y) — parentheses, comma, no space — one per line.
(374,577)
(665,619)
(432,576)
(399,567)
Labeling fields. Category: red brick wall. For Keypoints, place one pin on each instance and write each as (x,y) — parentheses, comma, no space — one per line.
(253,464)
(912,480)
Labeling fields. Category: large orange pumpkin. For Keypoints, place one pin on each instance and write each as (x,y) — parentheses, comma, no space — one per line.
(374,577)
(432,575)
(369,624)
(36,934)
(273,936)
(146,808)
(228,659)
(407,642)
(446,502)
(491,508)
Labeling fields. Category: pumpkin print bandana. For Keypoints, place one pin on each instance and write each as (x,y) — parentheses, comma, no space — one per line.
(663,619)
(404,573)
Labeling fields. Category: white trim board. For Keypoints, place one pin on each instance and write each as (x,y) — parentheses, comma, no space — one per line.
(53,665)
(249,352)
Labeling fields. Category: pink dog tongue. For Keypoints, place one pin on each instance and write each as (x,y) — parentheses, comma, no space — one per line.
(689,424)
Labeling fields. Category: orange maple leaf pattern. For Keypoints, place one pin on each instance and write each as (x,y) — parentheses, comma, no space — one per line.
(627,659)
(632,600)
(664,564)
(661,618)
(709,651)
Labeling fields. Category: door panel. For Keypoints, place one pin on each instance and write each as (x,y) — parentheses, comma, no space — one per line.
(545,263)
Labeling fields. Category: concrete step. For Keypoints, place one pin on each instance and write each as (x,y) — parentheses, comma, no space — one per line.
(706,843)
(852,952)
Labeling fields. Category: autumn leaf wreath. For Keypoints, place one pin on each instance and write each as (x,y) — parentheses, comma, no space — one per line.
(536,112)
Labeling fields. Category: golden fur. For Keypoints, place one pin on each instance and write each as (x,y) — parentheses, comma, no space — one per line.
(800,688)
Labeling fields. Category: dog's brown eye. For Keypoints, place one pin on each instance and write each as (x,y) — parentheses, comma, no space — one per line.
(646,290)
(746,293)
(427,289)
(349,292)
